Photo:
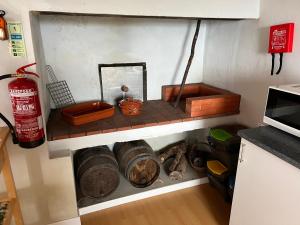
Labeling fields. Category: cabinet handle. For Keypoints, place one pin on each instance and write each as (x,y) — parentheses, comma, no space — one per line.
(241,158)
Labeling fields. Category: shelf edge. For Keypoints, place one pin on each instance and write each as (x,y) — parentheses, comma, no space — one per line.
(72,144)
(142,195)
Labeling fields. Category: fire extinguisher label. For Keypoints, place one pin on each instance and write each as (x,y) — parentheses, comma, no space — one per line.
(278,39)
(27,113)
(281,38)
(22,93)
(16,37)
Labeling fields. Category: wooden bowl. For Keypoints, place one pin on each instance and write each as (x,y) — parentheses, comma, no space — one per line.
(131,107)
(87,112)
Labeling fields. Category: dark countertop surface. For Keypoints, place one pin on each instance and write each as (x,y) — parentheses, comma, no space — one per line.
(279,143)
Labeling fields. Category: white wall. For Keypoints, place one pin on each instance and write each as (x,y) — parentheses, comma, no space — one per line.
(8,64)
(75,45)
(45,186)
(236,56)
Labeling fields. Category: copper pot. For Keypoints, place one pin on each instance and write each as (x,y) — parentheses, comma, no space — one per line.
(131,107)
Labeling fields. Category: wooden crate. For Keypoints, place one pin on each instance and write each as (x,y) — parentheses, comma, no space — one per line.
(200,99)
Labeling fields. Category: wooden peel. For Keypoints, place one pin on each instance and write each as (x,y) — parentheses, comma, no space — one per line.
(179,171)
(186,72)
(178,166)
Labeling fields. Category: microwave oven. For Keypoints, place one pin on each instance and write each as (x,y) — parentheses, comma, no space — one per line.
(283,108)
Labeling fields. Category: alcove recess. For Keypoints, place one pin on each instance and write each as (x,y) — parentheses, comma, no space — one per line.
(70,43)
(74,45)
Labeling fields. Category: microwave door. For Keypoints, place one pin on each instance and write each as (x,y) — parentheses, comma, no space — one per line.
(284,108)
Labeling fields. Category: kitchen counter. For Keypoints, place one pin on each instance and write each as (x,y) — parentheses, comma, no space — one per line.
(279,143)
(268,179)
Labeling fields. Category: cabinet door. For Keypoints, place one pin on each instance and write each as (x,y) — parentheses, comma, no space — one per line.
(267,190)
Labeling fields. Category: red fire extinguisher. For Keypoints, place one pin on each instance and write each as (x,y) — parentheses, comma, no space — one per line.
(29,131)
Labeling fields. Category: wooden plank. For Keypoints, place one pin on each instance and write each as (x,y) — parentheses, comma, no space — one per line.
(59,128)
(211,100)
(212,90)
(73,221)
(212,112)
(169,112)
(180,113)
(11,188)
(216,106)
(215,115)
(77,131)
(106,125)
(197,205)
(213,105)
(9,210)
(91,128)
(121,122)
(198,90)
(2,159)
(170,92)
(145,119)
(4,132)
(155,112)
(49,129)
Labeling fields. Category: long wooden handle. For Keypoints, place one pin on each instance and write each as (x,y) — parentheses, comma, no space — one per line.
(186,72)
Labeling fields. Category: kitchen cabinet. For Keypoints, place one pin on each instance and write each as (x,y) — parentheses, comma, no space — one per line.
(267,189)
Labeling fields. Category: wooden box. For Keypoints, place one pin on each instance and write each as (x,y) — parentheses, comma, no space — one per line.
(200,99)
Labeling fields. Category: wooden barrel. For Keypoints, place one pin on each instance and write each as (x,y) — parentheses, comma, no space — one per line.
(96,170)
(137,162)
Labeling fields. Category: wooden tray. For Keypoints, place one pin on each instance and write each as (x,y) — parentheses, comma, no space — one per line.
(200,99)
(87,112)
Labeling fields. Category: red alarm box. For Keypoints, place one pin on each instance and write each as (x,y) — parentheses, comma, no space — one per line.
(281,38)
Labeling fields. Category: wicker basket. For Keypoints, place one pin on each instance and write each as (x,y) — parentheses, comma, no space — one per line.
(131,107)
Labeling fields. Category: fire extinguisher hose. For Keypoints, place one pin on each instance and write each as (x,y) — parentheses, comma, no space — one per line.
(2,77)
(12,129)
(280,64)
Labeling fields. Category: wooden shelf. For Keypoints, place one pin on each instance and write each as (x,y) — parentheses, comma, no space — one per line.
(155,113)
(4,132)
(159,118)
(13,208)
(126,193)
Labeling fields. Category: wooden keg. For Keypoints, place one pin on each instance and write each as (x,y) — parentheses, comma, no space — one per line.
(96,171)
(137,162)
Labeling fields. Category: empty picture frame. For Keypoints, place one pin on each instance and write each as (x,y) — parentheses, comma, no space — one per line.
(114,76)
